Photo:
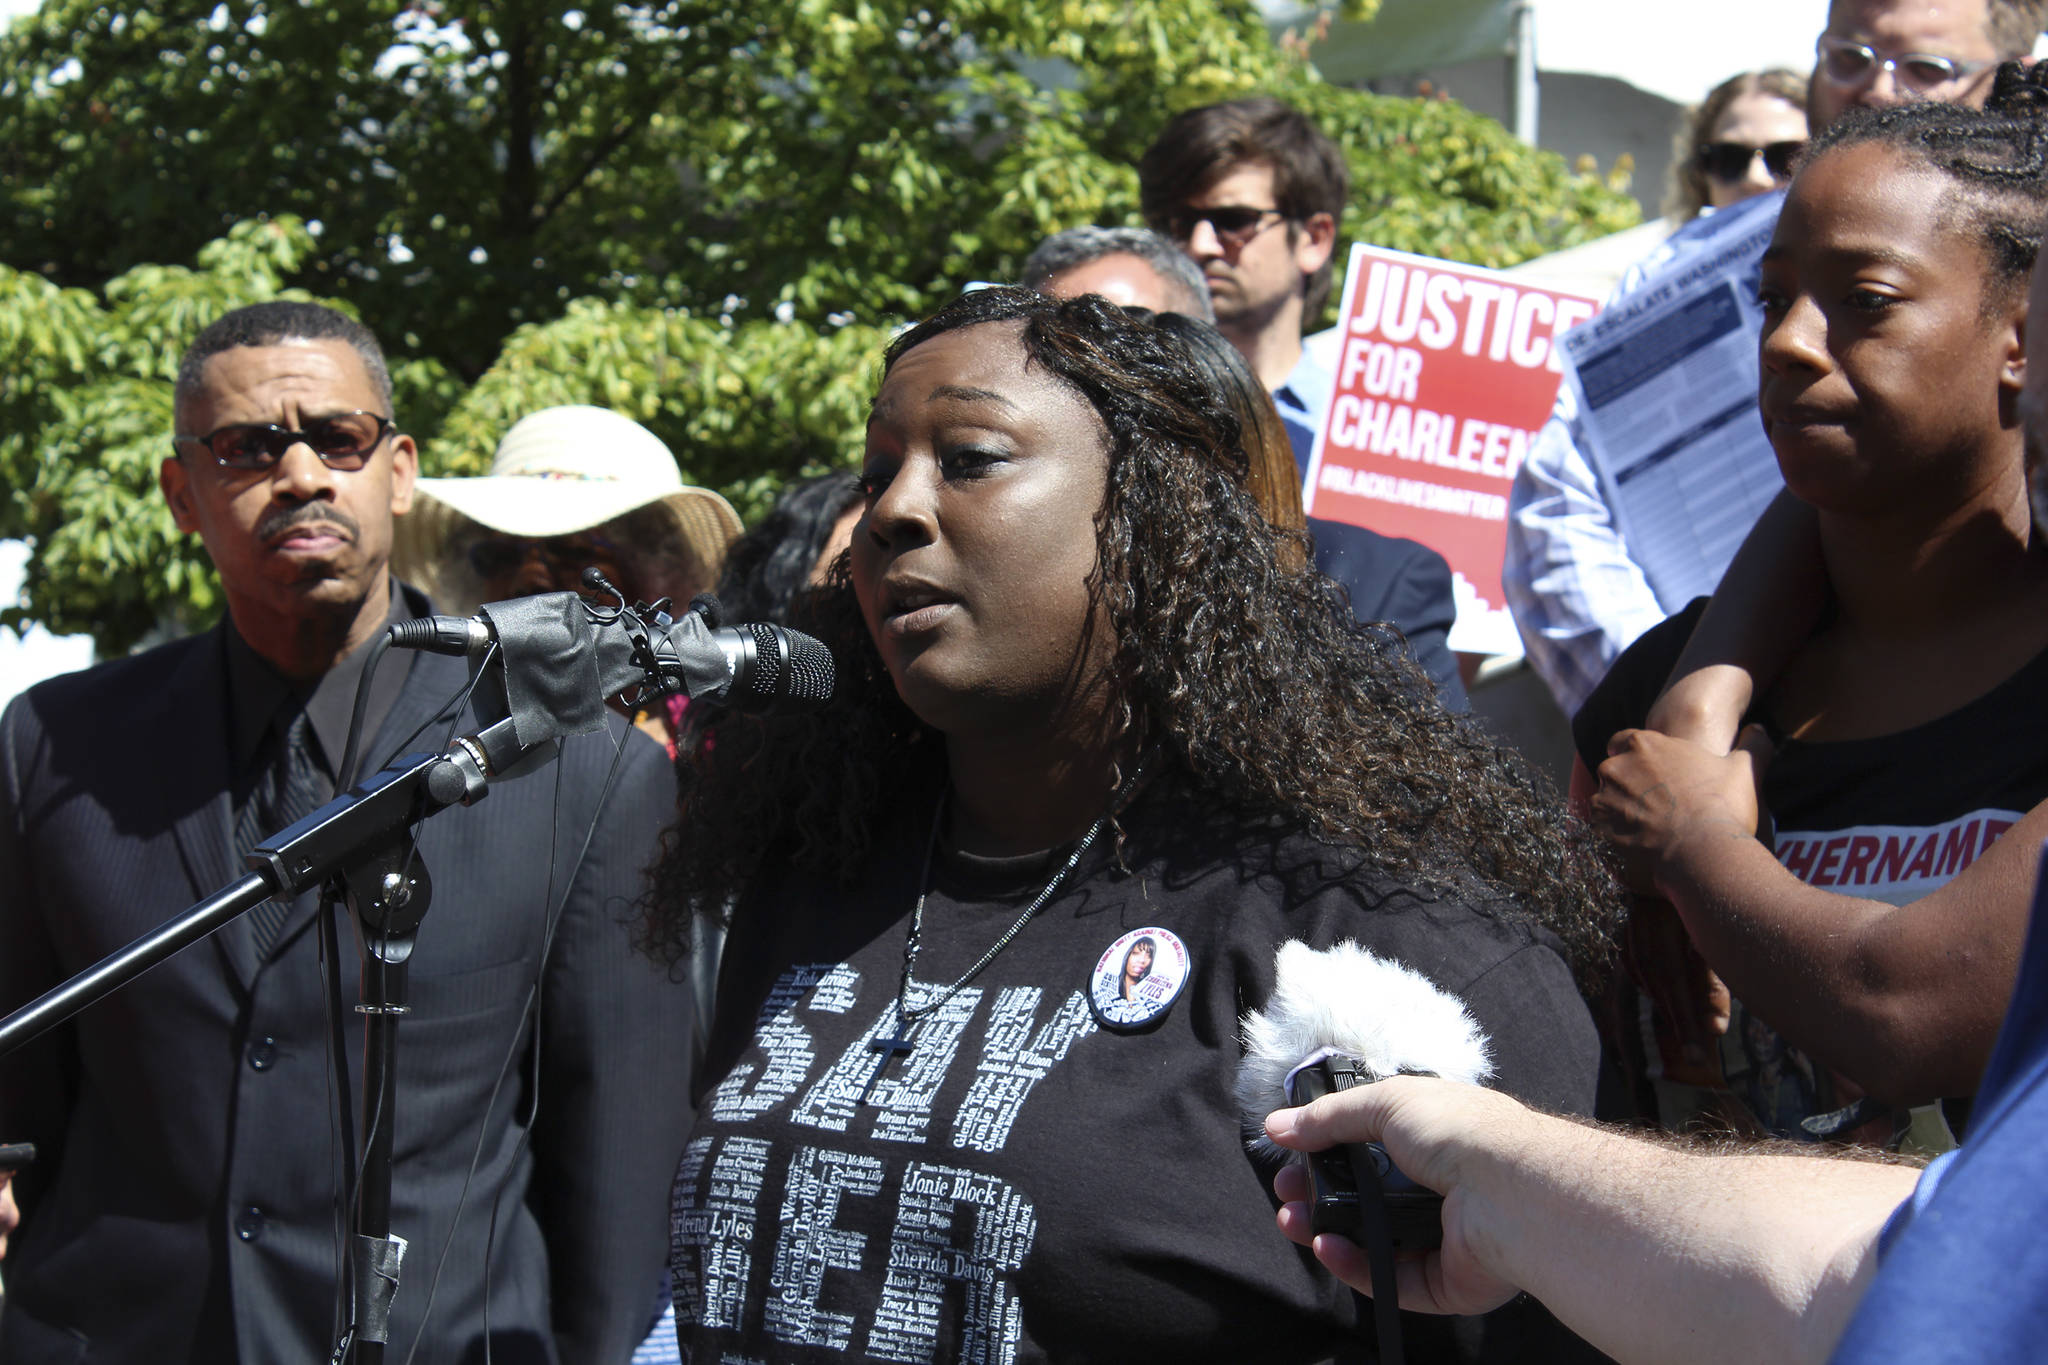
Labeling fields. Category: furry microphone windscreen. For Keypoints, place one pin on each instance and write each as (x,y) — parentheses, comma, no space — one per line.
(1342,999)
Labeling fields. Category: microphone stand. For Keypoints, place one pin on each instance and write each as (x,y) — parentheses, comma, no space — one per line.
(361,847)
(361,842)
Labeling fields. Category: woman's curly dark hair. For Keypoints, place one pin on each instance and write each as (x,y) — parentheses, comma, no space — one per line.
(768,567)
(1252,680)
(1995,159)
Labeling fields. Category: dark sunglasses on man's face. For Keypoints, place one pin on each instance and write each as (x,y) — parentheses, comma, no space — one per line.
(1728,162)
(500,556)
(1233,224)
(343,441)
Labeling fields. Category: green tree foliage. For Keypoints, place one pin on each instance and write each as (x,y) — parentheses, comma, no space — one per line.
(85,419)
(748,406)
(702,212)
(470,170)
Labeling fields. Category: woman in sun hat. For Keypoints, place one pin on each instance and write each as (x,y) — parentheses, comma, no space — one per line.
(568,488)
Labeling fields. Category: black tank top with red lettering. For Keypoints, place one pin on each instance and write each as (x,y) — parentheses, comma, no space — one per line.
(1891,818)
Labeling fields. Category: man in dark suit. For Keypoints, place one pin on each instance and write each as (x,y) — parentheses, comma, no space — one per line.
(185,1203)
(1403,581)
(1252,191)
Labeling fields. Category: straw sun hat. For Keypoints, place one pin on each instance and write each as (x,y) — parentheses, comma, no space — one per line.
(557,471)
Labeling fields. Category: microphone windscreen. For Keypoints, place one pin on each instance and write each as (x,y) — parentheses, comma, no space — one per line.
(551,672)
(813,674)
(706,605)
(775,668)
(1345,1000)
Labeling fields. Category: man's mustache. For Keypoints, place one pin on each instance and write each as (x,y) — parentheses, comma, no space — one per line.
(276,522)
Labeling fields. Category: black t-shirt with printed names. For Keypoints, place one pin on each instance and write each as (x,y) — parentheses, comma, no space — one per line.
(1029,1185)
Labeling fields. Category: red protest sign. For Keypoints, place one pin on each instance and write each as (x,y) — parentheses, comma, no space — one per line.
(1444,373)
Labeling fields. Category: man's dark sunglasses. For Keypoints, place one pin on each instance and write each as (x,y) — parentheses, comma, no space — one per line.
(1234,224)
(1728,162)
(497,556)
(343,441)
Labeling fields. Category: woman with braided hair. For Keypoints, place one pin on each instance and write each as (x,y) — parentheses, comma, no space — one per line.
(1087,701)
(1894,613)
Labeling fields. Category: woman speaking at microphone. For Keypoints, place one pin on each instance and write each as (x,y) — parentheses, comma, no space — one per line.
(1087,698)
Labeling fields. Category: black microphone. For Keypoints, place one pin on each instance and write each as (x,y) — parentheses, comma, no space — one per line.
(470,635)
(753,668)
(773,668)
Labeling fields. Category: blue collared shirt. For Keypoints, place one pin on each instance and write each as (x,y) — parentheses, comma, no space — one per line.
(1579,598)
(1303,398)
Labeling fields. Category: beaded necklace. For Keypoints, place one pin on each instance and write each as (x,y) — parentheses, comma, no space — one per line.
(899,1041)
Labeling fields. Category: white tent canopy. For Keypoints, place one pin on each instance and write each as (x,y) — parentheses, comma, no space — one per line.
(1406,35)
(1675,51)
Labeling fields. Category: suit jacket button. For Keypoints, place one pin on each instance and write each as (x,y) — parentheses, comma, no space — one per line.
(262,1054)
(249,1224)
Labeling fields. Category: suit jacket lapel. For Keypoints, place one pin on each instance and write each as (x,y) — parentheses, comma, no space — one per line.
(419,701)
(431,682)
(427,690)
(194,705)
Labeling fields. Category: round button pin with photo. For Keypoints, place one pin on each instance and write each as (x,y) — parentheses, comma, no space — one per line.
(1138,978)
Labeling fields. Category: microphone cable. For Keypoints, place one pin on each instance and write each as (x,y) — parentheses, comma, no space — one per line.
(355,1159)
(345,771)
(532,1011)
(1379,1253)
(341,1116)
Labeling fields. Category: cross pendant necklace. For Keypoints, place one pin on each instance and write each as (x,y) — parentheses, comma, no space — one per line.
(889,1048)
(899,1042)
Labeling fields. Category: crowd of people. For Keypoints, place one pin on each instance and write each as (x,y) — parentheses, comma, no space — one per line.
(914,1027)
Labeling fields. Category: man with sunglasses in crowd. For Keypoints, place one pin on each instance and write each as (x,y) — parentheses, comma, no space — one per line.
(188,1197)
(1252,190)
(1579,596)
